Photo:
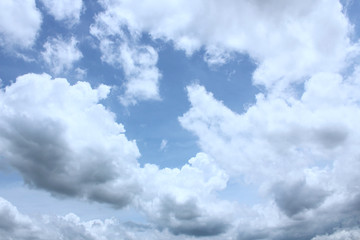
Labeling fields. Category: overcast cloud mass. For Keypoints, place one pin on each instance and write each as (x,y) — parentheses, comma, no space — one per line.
(157,119)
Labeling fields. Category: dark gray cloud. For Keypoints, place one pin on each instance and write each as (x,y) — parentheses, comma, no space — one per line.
(293,198)
(331,136)
(188,219)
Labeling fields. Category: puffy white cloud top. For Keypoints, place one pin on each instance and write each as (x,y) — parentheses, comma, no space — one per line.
(20,23)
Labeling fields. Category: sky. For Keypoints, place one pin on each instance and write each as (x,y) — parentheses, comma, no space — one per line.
(235,119)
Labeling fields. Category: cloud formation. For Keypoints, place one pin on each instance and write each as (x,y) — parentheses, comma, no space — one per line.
(295,150)
(20,22)
(288,40)
(68,10)
(62,140)
(60,54)
(122,50)
(44,133)
(296,146)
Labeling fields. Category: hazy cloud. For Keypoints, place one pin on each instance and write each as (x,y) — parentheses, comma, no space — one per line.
(60,55)
(68,10)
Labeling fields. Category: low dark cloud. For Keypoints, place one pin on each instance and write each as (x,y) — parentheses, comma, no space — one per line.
(188,219)
(332,136)
(293,198)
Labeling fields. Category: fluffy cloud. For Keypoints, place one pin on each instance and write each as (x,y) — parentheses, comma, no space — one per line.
(289,40)
(68,10)
(139,65)
(20,22)
(13,224)
(278,136)
(16,226)
(61,139)
(184,200)
(298,151)
(60,55)
(123,51)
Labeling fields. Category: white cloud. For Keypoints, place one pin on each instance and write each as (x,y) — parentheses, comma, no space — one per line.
(276,136)
(68,10)
(57,135)
(80,73)
(163,144)
(289,40)
(16,226)
(299,152)
(60,55)
(215,56)
(142,75)
(13,224)
(62,140)
(20,23)
(123,51)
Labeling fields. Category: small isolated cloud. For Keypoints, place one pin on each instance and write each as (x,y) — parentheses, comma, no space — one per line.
(80,73)
(60,55)
(163,144)
(215,56)
(20,22)
(65,10)
(142,75)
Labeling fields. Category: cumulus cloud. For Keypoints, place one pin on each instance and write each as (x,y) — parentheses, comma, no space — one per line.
(60,54)
(20,23)
(13,224)
(68,10)
(277,136)
(184,200)
(138,61)
(298,151)
(62,140)
(289,40)
(16,226)
(70,226)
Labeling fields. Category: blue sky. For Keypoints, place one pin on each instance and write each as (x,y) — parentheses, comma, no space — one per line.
(170,120)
